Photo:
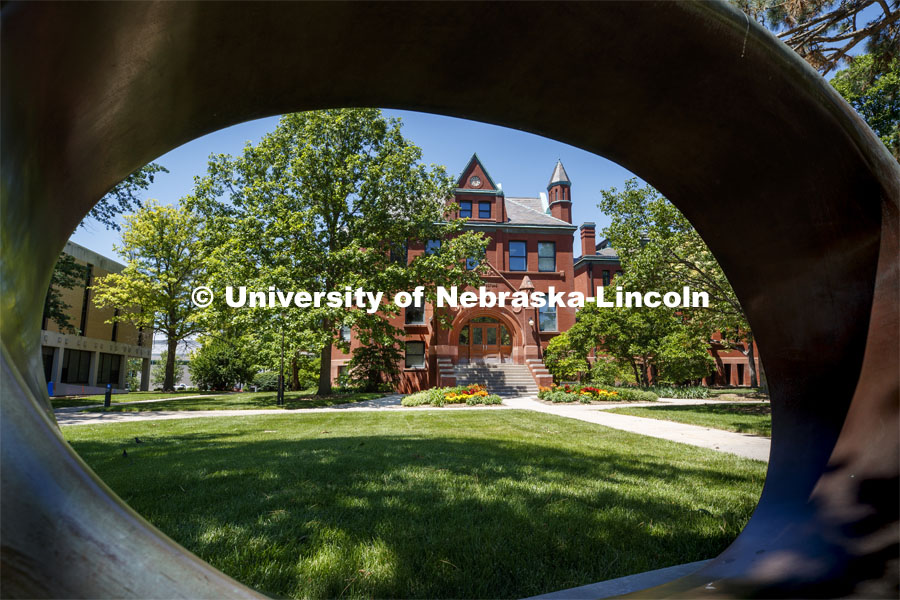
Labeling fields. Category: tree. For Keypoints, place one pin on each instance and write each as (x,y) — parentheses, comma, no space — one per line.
(323,203)
(159,371)
(564,360)
(67,274)
(220,363)
(124,198)
(875,95)
(134,366)
(164,261)
(660,249)
(824,32)
(644,339)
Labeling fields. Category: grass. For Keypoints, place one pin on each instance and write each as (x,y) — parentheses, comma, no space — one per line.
(754,418)
(430,504)
(97,399)
(247,401)
(735,394)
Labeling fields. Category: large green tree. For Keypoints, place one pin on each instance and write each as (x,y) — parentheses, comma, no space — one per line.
(656,341)
(68,274)
(164,261)
(331,199)
(661,250)
(826,32)
(875,94)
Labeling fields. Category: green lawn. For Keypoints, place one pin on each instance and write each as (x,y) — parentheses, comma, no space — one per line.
(97,399)
(247,401)
(736,394)
(755,418)
(432,504)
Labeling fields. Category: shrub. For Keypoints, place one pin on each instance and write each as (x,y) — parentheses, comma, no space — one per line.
(607,372)
(680,392)
(219,364)
(564,360)
(267,381)
(636,395)
(417,399)
(468,394)
(588,394)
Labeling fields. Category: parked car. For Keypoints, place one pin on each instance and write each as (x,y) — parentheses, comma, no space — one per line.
(180,387)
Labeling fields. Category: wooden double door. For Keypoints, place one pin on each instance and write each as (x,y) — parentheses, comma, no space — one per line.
(485,340)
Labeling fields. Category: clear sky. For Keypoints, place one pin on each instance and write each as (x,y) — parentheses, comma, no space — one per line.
(521,162)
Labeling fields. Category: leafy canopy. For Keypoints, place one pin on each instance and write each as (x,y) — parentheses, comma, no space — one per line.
(330,199)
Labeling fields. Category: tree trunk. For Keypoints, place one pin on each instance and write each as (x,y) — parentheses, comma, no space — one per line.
(325,371)
(295,374)
(169,381)
(754,381)
(637,373)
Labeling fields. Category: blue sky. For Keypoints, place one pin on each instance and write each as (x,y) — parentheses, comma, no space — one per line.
(521,162)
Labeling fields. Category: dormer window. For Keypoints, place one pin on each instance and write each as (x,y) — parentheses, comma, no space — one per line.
(484,210)
(465,209)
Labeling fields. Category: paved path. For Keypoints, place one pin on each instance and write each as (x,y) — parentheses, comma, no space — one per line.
(748,446)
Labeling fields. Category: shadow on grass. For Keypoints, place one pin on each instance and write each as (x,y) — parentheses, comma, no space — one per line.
(245,401)
(429,515)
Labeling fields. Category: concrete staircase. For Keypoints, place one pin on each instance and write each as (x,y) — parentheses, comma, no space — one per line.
(501,379)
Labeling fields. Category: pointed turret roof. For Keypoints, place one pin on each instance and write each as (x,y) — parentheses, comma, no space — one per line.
(559,176)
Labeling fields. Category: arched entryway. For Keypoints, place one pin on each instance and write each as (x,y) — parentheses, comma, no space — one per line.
(484,339)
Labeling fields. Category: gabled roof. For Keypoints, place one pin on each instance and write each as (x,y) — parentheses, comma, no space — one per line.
(530,211)
(559,176)
(464,174)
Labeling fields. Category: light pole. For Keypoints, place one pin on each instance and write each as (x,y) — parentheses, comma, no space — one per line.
(280,401)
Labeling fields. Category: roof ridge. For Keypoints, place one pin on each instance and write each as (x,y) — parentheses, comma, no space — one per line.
(508,199)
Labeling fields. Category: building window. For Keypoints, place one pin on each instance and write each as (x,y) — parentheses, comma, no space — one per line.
(518,259)
(415,315)
(346,333)
(465,209)
(484,210)
(76,366)
(432,246)
(471,263)
(109,368)
(399,253)
(547,318)
(415,355)
(605,278)
(546,256)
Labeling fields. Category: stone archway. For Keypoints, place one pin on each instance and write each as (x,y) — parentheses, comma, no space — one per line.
(725,121)
(466,318)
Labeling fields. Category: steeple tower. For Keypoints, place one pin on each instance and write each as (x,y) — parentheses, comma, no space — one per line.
(559,192)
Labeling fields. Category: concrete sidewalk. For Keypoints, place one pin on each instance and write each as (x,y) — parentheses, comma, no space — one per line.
(741,444)
(747,446)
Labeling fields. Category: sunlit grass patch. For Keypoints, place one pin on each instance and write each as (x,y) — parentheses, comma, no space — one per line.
(754,418)
(423,504)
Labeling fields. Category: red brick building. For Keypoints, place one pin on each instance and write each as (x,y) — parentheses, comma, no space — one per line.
(531,247)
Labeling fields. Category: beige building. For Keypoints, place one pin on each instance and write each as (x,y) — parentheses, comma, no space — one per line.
(86,363)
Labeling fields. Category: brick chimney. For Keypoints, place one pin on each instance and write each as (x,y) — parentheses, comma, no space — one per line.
(588,239)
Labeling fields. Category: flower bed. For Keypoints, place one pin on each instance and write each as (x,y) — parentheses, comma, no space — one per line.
(462,394)
(588,394)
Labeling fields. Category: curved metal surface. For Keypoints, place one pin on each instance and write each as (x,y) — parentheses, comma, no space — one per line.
(791,190)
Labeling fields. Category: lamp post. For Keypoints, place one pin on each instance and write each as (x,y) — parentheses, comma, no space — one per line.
(280,401)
